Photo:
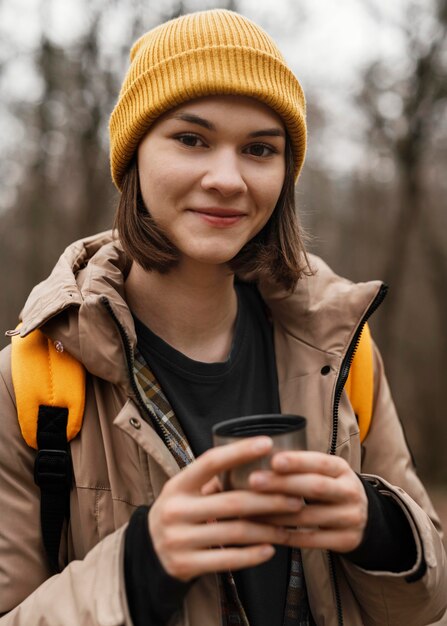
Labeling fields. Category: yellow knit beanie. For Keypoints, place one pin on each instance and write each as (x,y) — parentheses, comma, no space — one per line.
(202,54)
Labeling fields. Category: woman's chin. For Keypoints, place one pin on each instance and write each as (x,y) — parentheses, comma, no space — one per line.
(210,255)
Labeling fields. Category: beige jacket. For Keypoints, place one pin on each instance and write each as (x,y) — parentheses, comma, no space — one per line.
(118,466)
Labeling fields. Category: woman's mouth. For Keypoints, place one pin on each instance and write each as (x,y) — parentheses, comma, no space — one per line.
(216,216)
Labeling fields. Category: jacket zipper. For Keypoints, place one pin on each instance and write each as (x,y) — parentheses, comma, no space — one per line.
(341,381)
(152,418)
(347,362)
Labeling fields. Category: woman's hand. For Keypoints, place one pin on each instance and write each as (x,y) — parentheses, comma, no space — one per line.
(195,530)
(336,510)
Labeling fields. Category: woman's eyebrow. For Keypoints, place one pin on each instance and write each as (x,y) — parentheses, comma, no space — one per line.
(268,132)
(196,119)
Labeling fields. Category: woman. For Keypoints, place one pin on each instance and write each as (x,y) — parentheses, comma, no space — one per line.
(207,137)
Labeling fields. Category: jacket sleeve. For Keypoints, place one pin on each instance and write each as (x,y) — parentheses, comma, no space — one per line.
(417,596)
(88,591)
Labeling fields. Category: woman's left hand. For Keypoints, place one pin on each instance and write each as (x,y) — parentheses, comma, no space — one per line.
(335,512)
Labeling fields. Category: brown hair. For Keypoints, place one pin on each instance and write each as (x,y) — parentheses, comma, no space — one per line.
(276,252)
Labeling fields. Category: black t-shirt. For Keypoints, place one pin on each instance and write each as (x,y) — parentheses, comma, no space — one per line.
(202,394)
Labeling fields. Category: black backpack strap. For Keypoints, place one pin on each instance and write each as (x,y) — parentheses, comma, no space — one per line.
(53,474)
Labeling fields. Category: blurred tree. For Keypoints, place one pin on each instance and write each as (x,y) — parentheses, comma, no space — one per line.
(403,111)
(65,189)
(406,108)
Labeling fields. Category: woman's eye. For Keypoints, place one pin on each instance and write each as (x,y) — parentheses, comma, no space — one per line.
(189,140)
(260,150)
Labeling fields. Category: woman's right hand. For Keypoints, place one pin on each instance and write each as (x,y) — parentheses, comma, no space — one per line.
(195,532)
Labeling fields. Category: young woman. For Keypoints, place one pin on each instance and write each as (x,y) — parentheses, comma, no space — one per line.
(201,307)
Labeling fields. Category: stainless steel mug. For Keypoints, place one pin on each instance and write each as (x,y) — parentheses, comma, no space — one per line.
(287,431)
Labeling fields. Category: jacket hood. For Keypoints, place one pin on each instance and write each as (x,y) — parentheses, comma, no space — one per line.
(82,300)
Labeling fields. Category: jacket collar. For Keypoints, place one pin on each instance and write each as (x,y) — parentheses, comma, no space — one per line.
(324,311)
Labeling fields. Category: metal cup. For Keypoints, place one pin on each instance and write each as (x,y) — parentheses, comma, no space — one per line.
(287,431)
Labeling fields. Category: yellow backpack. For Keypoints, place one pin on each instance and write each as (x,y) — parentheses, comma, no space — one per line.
(360,382)
(49,386)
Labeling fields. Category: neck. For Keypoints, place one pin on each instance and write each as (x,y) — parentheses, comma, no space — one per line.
(192,307)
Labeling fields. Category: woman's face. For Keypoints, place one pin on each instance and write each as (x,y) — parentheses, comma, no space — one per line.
(211,172)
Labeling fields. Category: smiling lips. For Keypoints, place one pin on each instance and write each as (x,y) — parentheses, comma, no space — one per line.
(219,217)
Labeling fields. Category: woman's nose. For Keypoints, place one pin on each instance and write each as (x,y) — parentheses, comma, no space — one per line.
(224,174)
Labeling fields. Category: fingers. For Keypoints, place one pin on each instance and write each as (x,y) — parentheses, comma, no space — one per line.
(315,527)
(198,509)
(335,540)
(309,462)
(219,459)
(242,504)
(223,533)
(312,475)
(337,507)
(332,516)
(235,558)
(325,517)
(183,546)
(187,565)
(313,487)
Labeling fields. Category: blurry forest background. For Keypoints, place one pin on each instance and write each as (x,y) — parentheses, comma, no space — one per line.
(373,189)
